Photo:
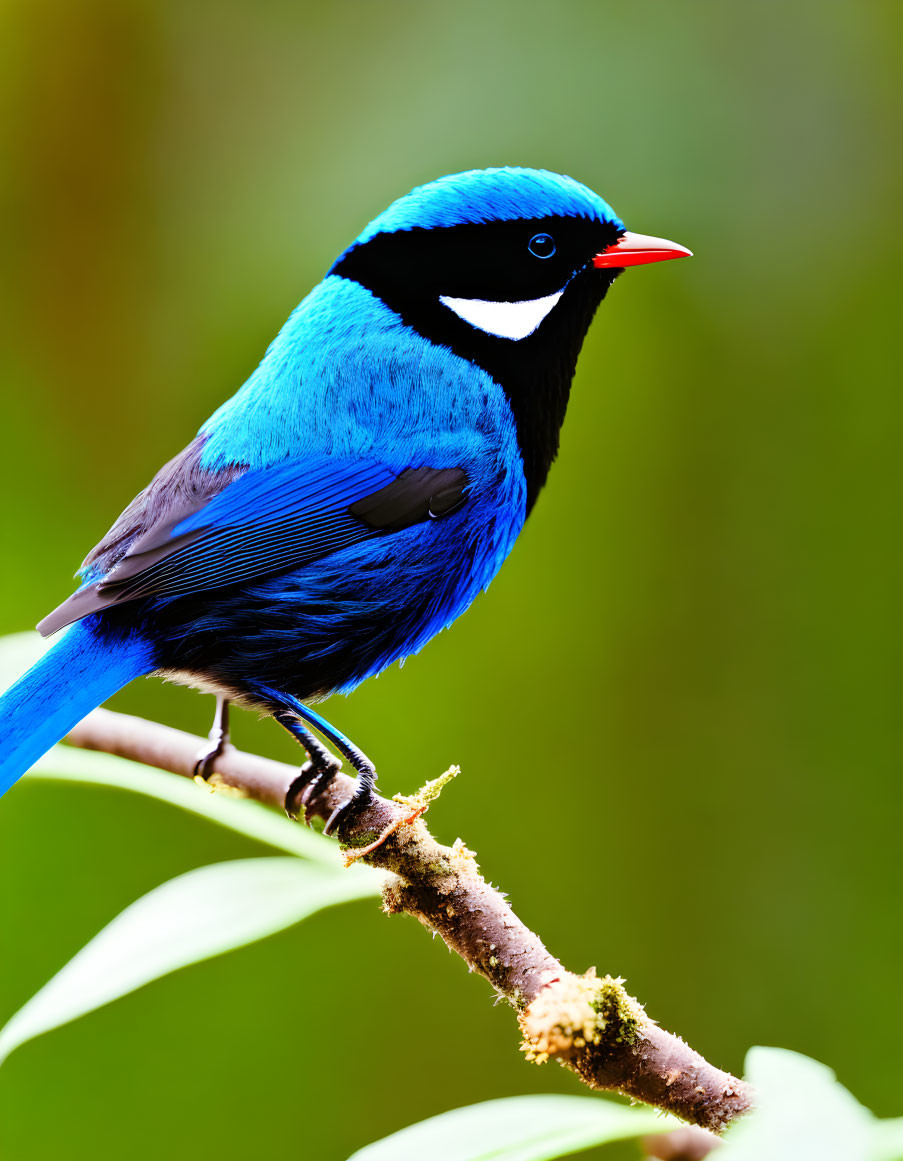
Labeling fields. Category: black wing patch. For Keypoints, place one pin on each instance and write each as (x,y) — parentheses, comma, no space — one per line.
(418,494)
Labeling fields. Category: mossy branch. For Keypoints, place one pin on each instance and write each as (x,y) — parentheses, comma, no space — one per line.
(587,1023)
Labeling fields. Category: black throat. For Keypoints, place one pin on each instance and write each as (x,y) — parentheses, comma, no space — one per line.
(409,270)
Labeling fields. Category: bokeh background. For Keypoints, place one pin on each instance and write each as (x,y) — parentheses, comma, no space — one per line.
(675,710)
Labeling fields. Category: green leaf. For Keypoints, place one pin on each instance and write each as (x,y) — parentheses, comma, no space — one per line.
(198,915)
(802,1111)
(527,1128)
(67,764)
(887,1140)
(18,652)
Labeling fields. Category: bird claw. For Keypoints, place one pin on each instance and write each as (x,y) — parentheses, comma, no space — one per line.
(305,786)
(359,800)
(203,766)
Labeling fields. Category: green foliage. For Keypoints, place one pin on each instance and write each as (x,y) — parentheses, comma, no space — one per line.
(18,652)
(203,913)
(534,1128)
(200,914)
(66,764)
(802,1112)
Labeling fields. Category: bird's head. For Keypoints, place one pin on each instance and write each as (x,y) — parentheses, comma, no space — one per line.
(506,267)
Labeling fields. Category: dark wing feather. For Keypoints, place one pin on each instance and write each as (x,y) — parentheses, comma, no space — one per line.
(179,488)
(265,522)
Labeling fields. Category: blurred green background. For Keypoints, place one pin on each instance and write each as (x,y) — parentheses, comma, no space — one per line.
(702,612)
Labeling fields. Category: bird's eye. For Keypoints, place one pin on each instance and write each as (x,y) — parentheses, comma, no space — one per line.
(541,245)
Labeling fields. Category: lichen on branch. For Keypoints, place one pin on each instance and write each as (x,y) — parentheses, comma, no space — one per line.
(571,1012)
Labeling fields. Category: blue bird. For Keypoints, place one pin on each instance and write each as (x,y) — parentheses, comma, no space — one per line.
(362,487)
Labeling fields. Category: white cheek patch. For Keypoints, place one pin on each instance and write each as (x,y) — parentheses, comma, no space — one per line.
(508,320)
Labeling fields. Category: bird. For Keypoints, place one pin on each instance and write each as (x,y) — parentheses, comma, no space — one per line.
(361,488)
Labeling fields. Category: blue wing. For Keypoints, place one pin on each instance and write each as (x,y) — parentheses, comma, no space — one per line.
(265,522)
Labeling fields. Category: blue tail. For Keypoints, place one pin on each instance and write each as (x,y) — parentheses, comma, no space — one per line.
(76,675)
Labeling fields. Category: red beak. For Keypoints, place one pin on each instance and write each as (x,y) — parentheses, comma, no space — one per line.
(637,249)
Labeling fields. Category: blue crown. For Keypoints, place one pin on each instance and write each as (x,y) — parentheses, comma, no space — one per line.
(491,195)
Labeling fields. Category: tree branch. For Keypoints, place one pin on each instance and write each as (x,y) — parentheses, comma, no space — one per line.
(589,1024)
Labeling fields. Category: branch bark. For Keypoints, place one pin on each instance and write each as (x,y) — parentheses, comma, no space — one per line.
(589,1024)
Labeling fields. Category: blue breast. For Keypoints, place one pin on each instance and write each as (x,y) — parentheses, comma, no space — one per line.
(346,377)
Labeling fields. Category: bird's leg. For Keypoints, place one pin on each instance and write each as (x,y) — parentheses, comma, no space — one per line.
(219,739)
(321,764)
(287,710)
(366,771)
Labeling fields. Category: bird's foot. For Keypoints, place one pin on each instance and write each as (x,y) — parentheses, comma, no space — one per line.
(323,765)
(348,811)
(206,759)
(312,777)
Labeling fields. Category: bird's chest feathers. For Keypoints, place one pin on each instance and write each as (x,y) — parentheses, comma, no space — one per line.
(346,377)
